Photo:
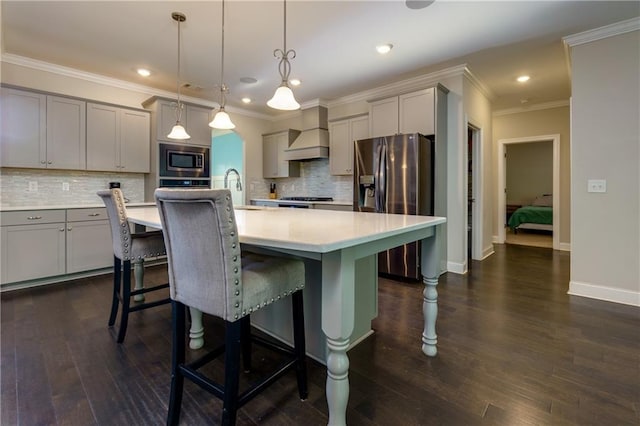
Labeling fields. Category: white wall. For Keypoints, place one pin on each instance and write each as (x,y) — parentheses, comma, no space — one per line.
(529,171)
(605,258)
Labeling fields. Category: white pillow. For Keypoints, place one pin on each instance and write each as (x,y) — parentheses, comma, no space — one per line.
(545,200)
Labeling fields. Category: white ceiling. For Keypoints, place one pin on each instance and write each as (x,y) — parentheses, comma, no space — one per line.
(334,40)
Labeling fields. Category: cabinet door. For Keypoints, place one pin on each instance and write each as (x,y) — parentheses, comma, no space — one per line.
(339,148)
(270,156)
(417,114)
(32,251)
(24,129)
(135,148)
(383,117)
(103,130)
(198,125)
(66,133)
(88,246)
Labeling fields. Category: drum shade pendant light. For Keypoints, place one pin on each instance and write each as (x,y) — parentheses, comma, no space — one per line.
(283,98)
(222,120)
(178,131)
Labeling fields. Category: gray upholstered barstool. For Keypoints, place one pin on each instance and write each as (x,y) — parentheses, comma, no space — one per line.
(207,271)
(129,247)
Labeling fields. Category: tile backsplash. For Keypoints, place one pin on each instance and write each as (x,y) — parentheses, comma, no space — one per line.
(17,185)
(33,187)
(314,181)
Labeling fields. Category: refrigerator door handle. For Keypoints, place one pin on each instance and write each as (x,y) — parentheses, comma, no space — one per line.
(381,178)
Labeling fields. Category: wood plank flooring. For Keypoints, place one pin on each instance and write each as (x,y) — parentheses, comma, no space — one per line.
(514,349)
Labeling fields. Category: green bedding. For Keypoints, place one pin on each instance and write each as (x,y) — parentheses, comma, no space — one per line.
(531,214)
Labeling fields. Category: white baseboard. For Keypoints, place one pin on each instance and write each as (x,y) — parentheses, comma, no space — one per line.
(608,294)
(495,240)
(564,247)
(457,268)
(488,251)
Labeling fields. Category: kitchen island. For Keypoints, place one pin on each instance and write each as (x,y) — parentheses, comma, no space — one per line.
(333,242)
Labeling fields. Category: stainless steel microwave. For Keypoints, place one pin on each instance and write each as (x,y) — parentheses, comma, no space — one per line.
(183,161)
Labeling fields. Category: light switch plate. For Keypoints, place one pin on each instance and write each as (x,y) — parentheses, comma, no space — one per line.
(596,185)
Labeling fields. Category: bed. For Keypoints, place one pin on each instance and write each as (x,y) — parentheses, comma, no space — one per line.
(538,216)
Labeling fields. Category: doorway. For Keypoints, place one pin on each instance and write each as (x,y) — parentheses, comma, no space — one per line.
(502,184)
(474,194)
(227,154)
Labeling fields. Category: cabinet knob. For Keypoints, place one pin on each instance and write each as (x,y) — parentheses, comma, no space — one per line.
(43,162)
(61,229)
(49,162)
(70,229)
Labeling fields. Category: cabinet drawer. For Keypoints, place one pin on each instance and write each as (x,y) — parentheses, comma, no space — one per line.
(31,217)
(82,215)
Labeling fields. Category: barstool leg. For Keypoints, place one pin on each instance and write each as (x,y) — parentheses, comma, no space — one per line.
(126,299)
(233,335)
(177,359)
(117,277)
(297,304)
(246,342)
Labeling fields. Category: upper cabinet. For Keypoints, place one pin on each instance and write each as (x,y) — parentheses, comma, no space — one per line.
(408,113)
(273,163)
(342,134)
(42,131)
(195,120)
(118,139)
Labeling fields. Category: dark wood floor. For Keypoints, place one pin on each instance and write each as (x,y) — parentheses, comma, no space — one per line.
(514,349)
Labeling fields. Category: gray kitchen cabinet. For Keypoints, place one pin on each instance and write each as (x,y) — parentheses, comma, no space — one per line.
(413,112)
(342,133)
(88,241)
(41,244)
(273,163)
(42,131)
(24,128)
(195,120)
(33,245)
(66,134)
(118,139)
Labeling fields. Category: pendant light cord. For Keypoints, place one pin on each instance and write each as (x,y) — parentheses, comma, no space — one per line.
(222,85)
(179,107)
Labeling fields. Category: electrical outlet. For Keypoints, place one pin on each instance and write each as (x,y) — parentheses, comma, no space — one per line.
(65,186)
(33,186)
(596,185)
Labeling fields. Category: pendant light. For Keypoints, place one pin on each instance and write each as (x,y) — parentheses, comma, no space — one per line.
(178,131)
(222,120)
(283,98)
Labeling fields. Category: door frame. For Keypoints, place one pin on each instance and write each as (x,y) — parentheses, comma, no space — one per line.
(502,183)
(477,192)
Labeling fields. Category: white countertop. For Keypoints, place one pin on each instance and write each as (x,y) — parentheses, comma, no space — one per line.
(319,231)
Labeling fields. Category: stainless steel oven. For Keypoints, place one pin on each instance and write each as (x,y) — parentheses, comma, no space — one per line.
(182,161)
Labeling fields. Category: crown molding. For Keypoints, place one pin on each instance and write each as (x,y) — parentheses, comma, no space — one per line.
(535,107)
(119,84)
(483,88)
(398,87)
(595,34)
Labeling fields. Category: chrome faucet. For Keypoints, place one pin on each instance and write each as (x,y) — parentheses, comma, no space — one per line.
(226,179)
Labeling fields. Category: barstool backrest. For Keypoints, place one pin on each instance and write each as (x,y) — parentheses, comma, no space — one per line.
(203,249)
(117,214)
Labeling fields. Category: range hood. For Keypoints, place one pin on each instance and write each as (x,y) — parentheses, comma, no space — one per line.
(313,142)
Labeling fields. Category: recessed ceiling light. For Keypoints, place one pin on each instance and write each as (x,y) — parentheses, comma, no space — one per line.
(295,82)
(383,49)
(523,78)
(143,72)
(248,80)
(246,100)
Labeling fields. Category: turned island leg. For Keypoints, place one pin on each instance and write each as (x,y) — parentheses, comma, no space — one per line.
(430,263)
(196,332)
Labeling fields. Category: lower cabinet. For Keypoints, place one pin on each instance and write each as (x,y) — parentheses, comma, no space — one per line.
(88,240)
(38,244)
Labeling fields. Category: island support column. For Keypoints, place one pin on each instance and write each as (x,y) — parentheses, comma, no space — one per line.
(430,265)
(338,307)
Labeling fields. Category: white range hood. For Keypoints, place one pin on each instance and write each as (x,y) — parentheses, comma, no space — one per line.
(313,142)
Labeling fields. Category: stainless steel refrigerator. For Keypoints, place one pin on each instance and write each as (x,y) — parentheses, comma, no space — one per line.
(395,174)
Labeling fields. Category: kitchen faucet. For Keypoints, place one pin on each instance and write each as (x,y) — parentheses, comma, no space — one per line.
(226,179)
